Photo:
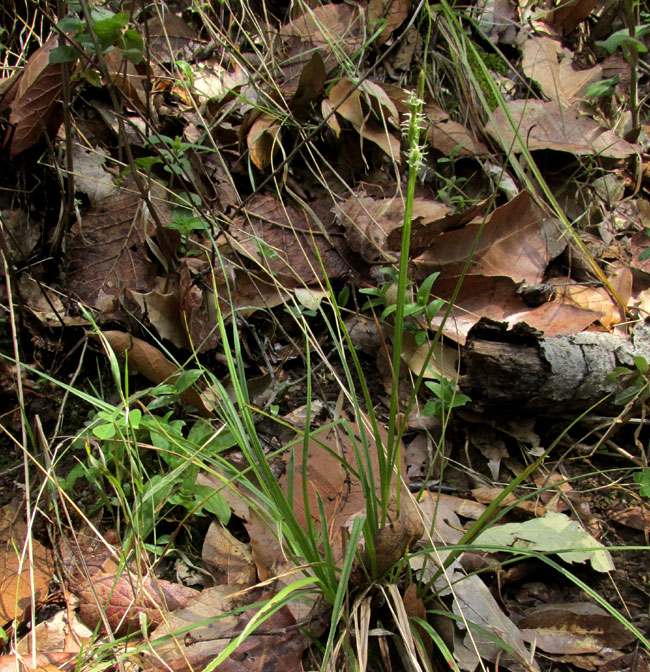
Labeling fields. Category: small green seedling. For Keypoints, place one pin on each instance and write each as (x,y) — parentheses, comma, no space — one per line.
(447,398)
(421,307)
(635,383)
(107,29)
(643,479)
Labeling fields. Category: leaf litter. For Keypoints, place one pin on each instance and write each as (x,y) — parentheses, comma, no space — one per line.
(287,160)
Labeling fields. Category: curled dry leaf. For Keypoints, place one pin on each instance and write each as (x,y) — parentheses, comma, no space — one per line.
(263,140)
(530,506)
(56,634)
(370,110)
(566,16)
(123,599)
(551,67)
(153,365)
(36,109)
(403,529)
(162,307)
(23,581)
(448,136)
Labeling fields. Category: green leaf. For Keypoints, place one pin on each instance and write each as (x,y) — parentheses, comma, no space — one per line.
(432,409)
(420,337)
(425,288)
(63,54)
(104,432)
(132,46)
(631,392)
(186,379)
(146,163)
(641,364)
(622,38)
(135,416)
(344,296)
(70,24)
(108,30)
(643,479)
(413,309)
(618,371)
(434,307)
(214,504)
(603,88)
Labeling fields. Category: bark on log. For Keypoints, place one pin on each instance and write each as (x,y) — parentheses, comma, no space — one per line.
(520,370)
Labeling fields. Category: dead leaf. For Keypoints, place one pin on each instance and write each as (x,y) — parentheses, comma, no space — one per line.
(441,516)
(24,581)
(280,239)
(448,136)
(427,225)
(20,232)
(123,599)
(107,252)
(36,108)
(51,661)
(636,517)
(228,559)
(391,12)
(369,222)
(573,627)
(263,140)
(551,67)
(496,298)
(201,644)
(328,30)
(567,15)
(56,635)
(596,299)
(311,83)
(153,365)
(491,446)
(443,361)
(497,21)
(475,604)
(161,306)
(170,39)
(90,176)
(370,111)
(415,608)
(529,506)
(128,79)
(514,242)
(542,125)
(46,304)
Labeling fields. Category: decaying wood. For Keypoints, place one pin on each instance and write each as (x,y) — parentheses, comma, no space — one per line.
(520,370)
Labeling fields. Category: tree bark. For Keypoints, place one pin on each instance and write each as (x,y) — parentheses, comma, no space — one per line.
(520,370)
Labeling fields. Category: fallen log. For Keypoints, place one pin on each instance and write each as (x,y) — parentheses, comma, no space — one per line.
(518,369)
